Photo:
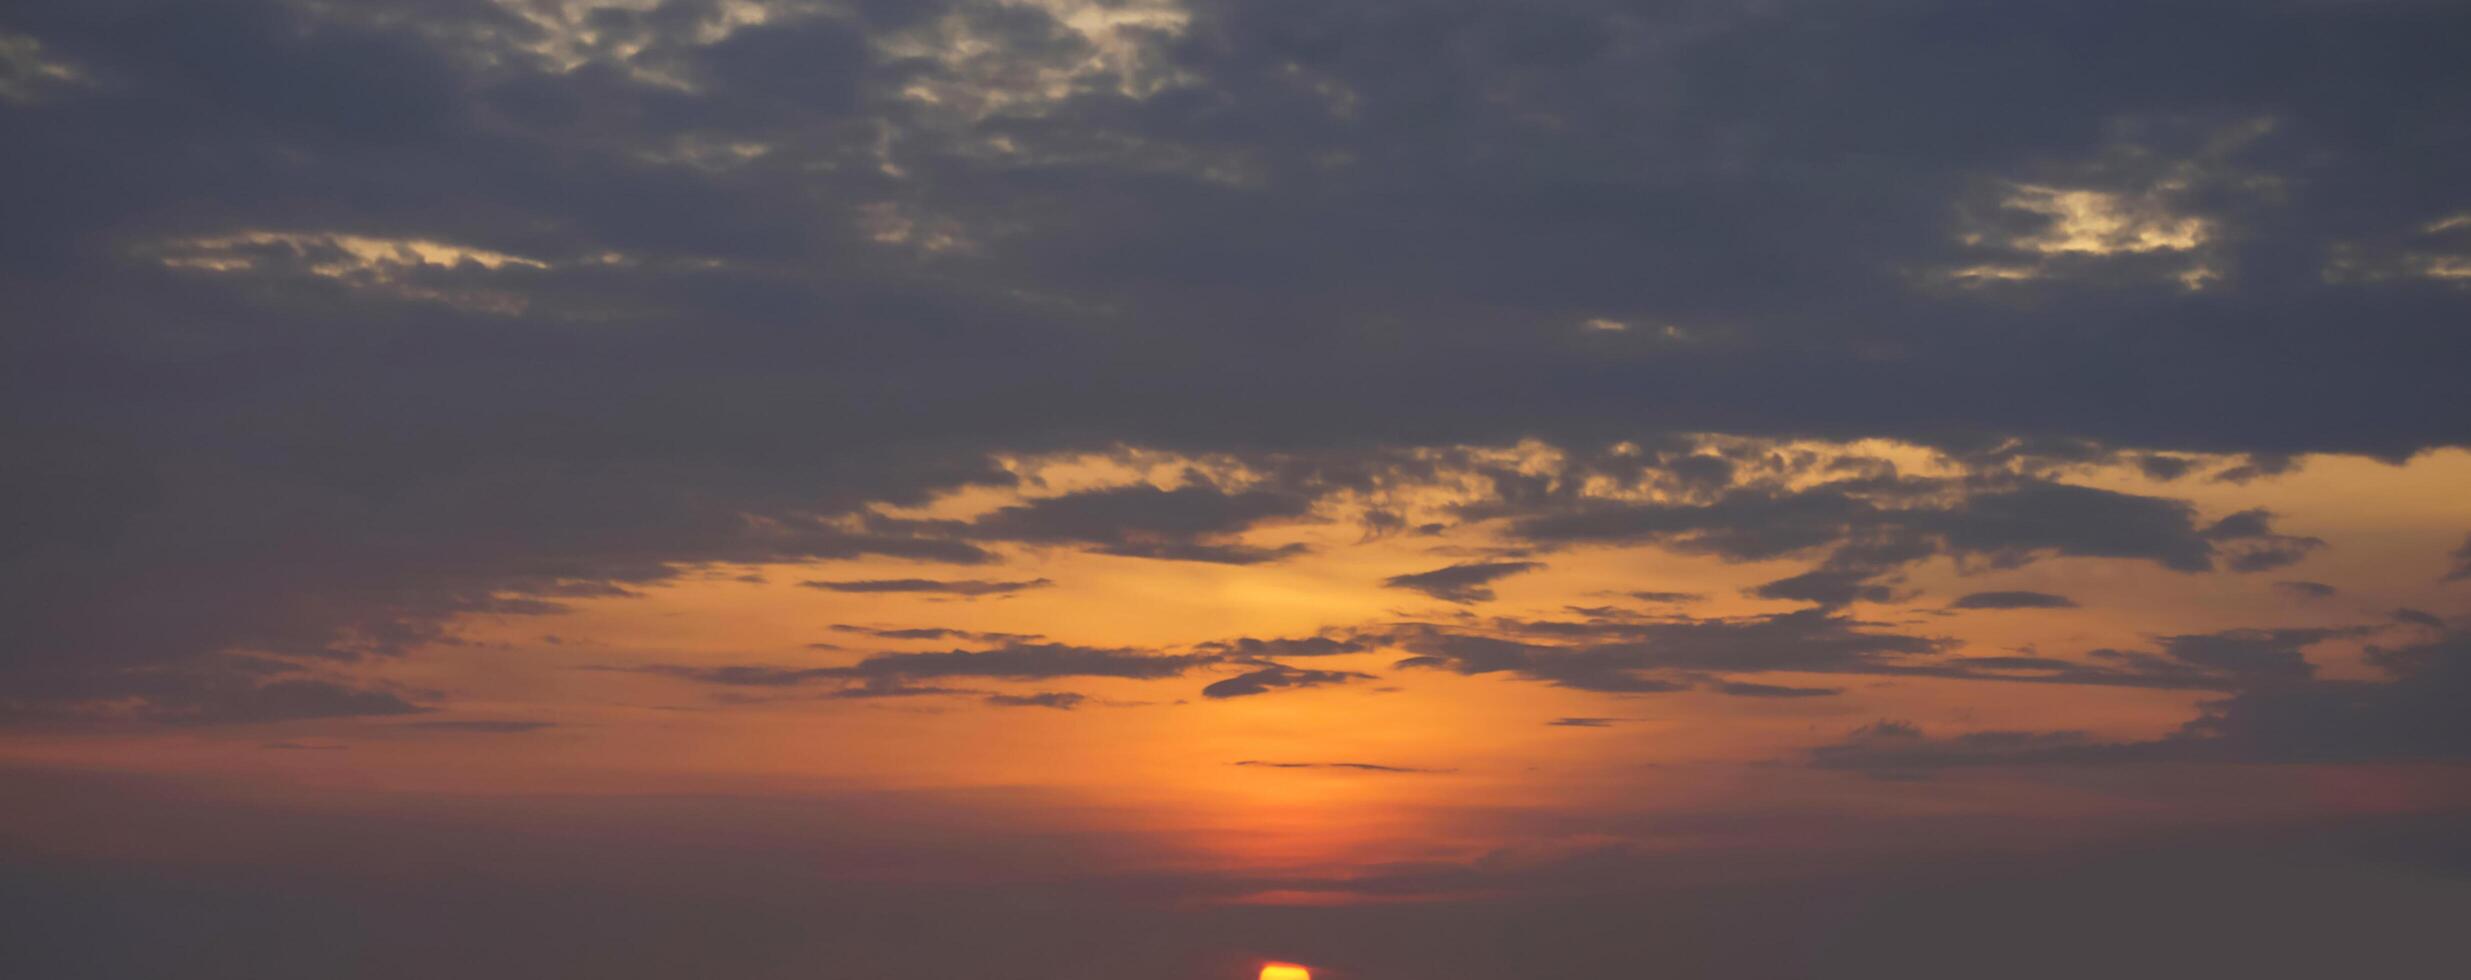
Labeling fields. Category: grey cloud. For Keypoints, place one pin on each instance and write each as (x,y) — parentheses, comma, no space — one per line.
(930,633)
(1355,766)
(741,675)
(1744,689)
(1059,700)
(2254,547)
(2306,589)
(957,587)
(1645,655)
(1897,750)
(1278,677)
(1195,522)
(1654,656)
(2418,617)
(1388,218)
(484,726)
(1829,587)
(1254,648)
(2462,562)
(1015,661)
(2012,600)
(1877,526)
(1463,583)
(1027,661)
(2278,714)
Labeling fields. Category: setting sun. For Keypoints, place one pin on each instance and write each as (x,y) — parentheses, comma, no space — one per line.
(1284,971)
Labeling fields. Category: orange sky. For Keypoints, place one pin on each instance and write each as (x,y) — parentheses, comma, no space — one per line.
(1402,764)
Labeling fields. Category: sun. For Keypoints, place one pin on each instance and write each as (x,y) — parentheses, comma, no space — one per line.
(1285,971)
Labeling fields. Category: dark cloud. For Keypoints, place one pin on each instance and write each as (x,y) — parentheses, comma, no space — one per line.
(2278,713)
(891,671)
(1355,766)
(2253,545)
(958,587)
(2462,562)
(1255,648)
(1059,700)
(2307,590)
(1026,661)
(1582,722)
(481,726)
(931,633)
(2012,600)
(1195,522)
(1278,677)
(280,700)
(214,691)
(2418,617)
(1469,582)
(1744,689)
(1898,750)
(2164,467)
(1658,656)
(1829,587)
(762,284)
(1876,527)
(2257,466)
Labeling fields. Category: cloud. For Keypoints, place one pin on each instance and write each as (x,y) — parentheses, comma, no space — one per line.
(931,633)
(705,340)
(1463,583)
(2277,713)
(1027,661)
(1016,661)
(282,700)
(1744,689)
(2254,547)
(1582,722)
(2462,562)
(211,691)
(481,726)
(1059,700)
(2012,600)
(1660,655)
(1901,751)
(1255,648)
(1878,526)
(1278,677)
(958,587)
(1195,522)
(1353,766)
(2306,589)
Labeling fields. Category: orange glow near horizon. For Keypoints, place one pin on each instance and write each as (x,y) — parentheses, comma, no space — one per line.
(1380,764)
(1285,971)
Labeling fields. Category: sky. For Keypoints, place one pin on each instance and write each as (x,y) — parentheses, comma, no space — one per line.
(1113,489)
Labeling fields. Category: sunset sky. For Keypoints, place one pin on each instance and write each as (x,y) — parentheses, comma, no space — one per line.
(1181,489)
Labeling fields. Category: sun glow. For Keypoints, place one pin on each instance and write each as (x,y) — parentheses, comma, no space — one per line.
(1284,971)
